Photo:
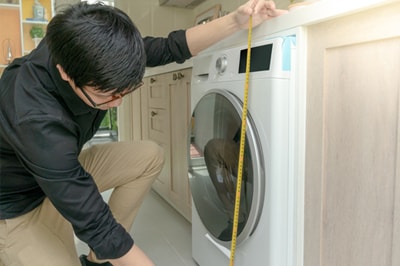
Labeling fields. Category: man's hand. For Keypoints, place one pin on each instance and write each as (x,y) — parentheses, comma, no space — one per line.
(261,10)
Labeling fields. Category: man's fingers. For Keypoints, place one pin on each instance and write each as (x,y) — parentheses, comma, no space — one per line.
(262,6)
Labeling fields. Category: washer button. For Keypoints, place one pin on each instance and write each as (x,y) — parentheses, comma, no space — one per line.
(221,64)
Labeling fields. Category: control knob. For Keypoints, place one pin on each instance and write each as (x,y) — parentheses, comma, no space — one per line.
(221,64)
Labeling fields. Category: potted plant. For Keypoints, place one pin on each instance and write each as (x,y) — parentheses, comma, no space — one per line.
(37,34)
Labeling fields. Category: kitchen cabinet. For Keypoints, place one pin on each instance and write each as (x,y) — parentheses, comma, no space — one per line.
(18,15)
(160,111)
(129,115)
(352,177)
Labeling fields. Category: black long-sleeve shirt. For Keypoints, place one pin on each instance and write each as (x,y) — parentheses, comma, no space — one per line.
(43,127)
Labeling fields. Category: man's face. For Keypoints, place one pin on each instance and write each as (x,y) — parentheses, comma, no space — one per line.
(95,98)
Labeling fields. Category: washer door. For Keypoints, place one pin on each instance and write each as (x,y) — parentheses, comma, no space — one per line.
(213,167)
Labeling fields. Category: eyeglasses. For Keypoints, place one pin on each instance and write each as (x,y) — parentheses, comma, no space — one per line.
(113,97)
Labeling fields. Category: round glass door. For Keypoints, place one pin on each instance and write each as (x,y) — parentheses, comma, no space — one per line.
(213,167)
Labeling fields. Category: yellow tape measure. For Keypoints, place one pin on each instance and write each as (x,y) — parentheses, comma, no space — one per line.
(242,144)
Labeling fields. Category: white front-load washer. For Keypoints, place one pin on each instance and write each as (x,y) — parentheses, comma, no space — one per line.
(269,217)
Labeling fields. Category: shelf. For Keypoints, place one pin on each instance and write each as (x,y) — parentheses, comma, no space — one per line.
(27,9)
(11,6)
(37,22)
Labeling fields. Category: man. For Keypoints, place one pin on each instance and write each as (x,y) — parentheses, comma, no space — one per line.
(51,102)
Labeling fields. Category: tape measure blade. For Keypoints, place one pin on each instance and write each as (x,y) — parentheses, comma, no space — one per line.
(242,148)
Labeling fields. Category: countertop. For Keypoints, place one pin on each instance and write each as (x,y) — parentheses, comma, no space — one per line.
(316,12)
(150,71)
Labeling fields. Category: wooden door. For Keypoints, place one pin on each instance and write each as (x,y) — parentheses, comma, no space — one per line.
(352,186)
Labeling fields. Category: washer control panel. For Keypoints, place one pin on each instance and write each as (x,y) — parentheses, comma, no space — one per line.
(267,59)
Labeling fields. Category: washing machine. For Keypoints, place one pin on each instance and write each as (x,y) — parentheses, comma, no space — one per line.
(269,230)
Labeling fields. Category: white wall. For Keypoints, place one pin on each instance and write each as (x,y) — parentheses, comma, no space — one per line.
(61,4)
(153,19)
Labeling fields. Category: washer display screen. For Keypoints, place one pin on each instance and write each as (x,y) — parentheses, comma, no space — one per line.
(260,59)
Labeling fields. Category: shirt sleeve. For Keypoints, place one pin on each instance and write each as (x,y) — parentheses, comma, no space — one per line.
(161,51)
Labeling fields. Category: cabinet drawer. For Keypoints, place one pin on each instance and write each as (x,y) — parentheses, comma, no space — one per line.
(159,125)
(158,92)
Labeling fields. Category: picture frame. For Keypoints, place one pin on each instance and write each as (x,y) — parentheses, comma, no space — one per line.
(208,15)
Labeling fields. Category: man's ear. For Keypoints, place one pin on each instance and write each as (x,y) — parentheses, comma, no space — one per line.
(64,75)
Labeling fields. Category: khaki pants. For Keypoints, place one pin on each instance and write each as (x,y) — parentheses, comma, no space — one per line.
(43,237)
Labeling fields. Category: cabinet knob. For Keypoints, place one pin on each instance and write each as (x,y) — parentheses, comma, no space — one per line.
(153,113)
(177,76)
(152,80)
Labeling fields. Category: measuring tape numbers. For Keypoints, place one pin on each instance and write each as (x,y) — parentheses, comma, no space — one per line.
(242,147)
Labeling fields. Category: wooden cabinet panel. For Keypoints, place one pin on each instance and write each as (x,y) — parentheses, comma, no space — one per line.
(158,92)
(352,187)
(180,110)
(159,125)
(165,113)
(359,153)
(161,184)
(129,114)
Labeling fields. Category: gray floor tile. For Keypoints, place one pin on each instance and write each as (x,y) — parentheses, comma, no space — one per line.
(160,231)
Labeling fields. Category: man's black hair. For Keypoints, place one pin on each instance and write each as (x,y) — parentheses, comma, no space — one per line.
(97,45)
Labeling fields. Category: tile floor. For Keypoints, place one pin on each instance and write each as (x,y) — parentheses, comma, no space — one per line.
(161,232)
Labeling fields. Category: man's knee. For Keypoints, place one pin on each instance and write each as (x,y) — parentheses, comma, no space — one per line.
(154,153)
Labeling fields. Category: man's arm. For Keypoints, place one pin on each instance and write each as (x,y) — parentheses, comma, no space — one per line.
(181,45)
